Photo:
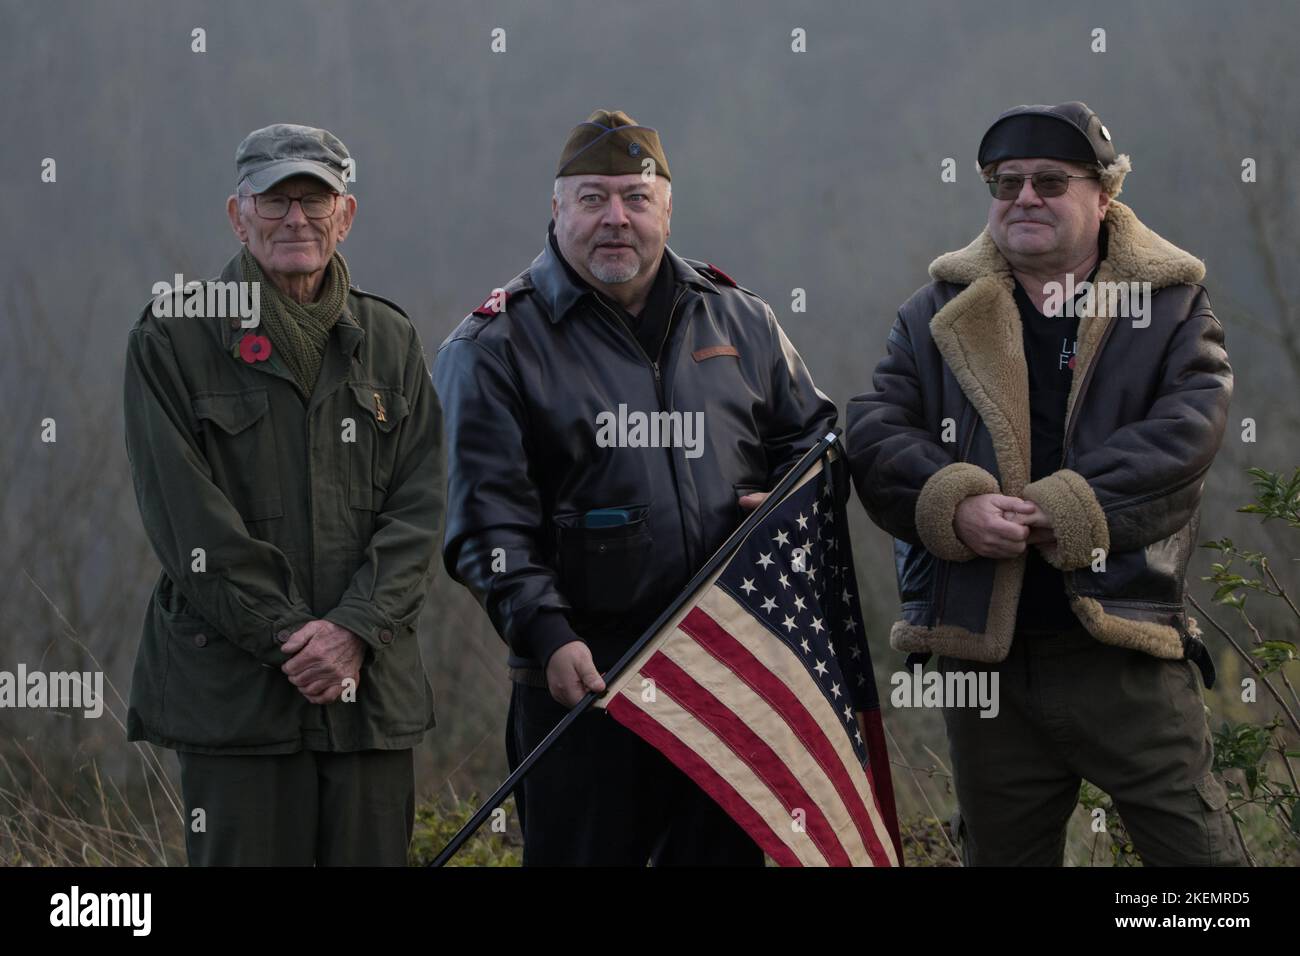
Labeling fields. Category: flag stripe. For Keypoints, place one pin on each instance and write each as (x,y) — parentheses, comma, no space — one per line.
(634,666)
(784,702)
(781,728)
(773,655)
(735,693)
(626,709)
(669,678)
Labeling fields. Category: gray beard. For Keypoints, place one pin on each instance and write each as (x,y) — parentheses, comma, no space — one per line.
(613,273)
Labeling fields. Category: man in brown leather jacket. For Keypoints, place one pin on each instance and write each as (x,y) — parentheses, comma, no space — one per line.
(610,413)
(1036,441)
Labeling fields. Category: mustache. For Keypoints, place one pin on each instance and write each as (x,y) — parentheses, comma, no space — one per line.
(619,239)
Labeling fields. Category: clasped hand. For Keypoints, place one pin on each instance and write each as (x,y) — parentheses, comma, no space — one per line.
(1001,526)
(324,656)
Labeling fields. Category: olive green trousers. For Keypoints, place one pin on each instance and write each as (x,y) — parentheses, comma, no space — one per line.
(300,809)
(1072,708)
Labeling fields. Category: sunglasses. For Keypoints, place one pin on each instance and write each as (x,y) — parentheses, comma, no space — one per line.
(1047,183)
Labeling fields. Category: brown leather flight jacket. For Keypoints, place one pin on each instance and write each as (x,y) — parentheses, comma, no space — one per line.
(1146,415)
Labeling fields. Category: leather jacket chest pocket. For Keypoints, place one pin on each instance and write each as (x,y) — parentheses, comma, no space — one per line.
(373,452)
(606,570)
(239,436)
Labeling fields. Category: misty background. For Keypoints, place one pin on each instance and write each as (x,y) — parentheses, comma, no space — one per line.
(817,170)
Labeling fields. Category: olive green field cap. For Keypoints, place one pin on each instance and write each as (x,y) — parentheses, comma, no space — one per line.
(276,152)
(610,143)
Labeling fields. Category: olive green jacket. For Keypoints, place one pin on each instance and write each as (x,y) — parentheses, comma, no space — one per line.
(266,513)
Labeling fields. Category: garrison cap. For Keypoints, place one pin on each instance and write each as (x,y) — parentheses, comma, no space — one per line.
(610,143)
(276,152)
(1069,131)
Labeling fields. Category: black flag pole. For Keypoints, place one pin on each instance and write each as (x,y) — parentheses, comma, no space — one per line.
(755,518)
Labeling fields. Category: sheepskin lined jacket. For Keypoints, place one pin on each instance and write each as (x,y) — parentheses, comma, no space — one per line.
(522,388)
(1146,414)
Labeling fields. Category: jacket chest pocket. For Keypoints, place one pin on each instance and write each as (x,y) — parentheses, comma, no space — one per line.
(606,570)
(373,454)
(241,450)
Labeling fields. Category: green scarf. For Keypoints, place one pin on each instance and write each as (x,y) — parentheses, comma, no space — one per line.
(300,332)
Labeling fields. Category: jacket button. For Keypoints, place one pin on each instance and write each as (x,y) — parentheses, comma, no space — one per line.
(234,322)
(386,636)
(282,636)
(201,640)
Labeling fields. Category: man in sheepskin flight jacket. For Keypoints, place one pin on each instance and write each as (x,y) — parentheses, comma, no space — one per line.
(1036,440)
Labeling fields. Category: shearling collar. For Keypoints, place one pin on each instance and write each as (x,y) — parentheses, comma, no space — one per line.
(978,330)
(1135,254)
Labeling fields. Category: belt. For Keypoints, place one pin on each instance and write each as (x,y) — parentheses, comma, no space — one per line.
(532,676)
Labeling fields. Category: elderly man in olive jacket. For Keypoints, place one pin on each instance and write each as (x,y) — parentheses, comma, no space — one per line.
(287,470)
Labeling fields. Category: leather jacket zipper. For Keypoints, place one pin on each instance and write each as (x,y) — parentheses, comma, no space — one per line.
(942,590)
(667,332)
(654,363)
(659,393)
(1068,576)
(1083,390)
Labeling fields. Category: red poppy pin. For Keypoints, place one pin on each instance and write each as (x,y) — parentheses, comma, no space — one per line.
(254,348)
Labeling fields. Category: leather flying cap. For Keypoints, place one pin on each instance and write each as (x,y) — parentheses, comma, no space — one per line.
(1068,131)
(610,143)
(276,152)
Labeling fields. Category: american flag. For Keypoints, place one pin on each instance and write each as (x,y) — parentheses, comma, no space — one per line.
(761,690)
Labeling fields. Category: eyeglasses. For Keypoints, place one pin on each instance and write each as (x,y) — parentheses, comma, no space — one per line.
(1047,183)
(314,205)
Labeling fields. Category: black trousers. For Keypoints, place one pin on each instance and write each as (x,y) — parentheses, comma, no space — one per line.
(601,796)
(299,809)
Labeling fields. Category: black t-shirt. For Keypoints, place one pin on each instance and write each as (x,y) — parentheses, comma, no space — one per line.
(1049,355)
(651,326)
